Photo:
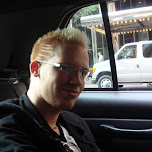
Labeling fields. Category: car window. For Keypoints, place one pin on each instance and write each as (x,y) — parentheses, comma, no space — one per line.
(147,50)
(128,52)
(98,49)
(131,32)
(130,23)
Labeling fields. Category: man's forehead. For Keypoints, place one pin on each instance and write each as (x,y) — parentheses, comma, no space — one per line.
(64,50)
(74,54)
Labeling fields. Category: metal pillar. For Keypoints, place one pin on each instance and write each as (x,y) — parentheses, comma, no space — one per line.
(94,44)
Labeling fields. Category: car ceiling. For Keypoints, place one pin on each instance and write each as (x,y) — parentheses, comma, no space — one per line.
(8,6)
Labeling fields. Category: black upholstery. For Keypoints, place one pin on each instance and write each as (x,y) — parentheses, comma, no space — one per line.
(11,88)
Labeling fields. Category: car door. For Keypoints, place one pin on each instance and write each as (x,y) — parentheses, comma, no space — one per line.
(127,64)
(120,119)
(146,62)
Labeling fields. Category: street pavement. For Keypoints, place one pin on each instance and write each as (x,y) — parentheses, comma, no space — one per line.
(88,84)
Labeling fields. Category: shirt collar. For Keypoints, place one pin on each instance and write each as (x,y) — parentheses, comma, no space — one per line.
(63,117)
(32,110)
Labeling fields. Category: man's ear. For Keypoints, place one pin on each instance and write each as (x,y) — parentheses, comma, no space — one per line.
(34,68)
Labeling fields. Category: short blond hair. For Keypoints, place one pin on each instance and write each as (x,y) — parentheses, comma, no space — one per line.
(43,49)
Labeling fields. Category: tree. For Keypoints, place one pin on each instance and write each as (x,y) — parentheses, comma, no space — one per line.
(86,11)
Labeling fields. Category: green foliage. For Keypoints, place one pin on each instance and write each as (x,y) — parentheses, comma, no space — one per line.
(86,11)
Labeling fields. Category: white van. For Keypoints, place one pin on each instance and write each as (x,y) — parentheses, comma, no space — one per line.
(128,64)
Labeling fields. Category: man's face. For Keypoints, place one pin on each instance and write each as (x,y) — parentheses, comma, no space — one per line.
(58,88)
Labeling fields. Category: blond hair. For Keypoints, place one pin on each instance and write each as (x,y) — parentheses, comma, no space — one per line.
(43,49)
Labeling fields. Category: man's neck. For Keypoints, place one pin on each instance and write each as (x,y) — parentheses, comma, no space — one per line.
(49,113)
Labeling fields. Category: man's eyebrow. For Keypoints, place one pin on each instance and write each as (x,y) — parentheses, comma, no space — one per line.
(85,69)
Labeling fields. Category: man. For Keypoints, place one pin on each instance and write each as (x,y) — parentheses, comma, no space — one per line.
(36,122)
(101,58)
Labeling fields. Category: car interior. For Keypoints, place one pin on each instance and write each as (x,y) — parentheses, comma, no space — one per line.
(120,117)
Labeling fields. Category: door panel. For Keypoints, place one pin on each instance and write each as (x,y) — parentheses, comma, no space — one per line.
(128,70)
(127,65)
(122,134)
(146,70)
(146,63)
(119,121)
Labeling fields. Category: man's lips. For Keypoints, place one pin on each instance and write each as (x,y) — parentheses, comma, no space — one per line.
(71,92)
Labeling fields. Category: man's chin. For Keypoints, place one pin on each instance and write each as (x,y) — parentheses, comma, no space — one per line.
(68,106)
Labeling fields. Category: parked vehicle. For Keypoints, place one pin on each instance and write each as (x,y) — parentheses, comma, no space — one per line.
(89,76)
(133,62)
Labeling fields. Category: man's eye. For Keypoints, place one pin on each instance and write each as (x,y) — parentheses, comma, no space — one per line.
(68,68)
(84,72)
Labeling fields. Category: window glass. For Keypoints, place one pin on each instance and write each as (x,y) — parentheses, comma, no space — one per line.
(89,20)
(128,52)
(131,29)
(147,50)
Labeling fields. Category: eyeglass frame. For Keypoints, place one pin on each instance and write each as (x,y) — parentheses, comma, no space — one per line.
(58,65)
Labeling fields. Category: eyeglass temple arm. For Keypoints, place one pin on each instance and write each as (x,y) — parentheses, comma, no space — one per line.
(55,64)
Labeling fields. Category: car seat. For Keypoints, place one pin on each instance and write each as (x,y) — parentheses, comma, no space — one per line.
(12,87)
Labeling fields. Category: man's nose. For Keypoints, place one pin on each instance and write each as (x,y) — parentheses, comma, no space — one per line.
(76,78)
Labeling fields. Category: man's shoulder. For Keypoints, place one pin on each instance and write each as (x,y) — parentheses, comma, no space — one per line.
(11,101)
(13,114)
(73,119)
(9,106)
(12,109)
(70,115)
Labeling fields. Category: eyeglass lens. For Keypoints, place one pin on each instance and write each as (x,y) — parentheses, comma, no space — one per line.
(71,69)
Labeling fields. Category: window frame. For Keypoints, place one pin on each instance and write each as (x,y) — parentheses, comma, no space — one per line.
(128,47)
(150,44)
(105,17)
(103,5)
(106,23)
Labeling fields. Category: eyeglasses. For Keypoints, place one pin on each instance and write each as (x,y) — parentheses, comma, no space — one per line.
(68,68)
